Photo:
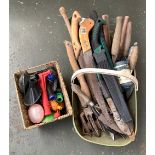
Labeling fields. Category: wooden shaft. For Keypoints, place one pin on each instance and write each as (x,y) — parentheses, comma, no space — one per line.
(84,30)
(75,67)
(117,38)
(123,34)
(127,39)
(76,18)
(133,56)
(63,13)
(106,30)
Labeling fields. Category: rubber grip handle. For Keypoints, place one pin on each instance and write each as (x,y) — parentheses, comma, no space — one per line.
(75,67)
(127,39)
(95,34)
(117,38)
(63,13)
(76,18)
(42,82)
(106,30)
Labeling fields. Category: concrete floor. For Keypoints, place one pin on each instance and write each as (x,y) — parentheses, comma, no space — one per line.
(37,33)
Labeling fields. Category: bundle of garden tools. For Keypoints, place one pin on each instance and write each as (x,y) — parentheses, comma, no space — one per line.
(103,98)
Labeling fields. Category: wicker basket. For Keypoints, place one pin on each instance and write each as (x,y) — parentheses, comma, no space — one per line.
(24,110)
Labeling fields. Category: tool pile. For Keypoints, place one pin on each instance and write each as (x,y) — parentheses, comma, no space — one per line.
(42,95)
(102,97)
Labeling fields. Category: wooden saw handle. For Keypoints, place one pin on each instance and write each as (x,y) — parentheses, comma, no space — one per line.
(85,26)
(127,39)
(106,30)
(117,38)
(76,18)
(75,67)
(123,34)
(63,13)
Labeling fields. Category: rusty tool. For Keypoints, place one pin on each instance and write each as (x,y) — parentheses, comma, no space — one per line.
(106,30)
(89,109)
(124,127)
(87,127)
(63,13)
(110,81)
(85,26)
(117,38)
(133,56)
(107,91)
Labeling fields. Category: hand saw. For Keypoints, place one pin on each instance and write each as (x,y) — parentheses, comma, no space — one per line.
(85,26)
(105,91)
(111,83)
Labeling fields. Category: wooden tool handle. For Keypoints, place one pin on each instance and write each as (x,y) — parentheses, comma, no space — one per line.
(133,56)
(106,30)
(127,39)
(76,18)
(63,13)
(75,67)
(117,38)
(123,34)
(85,27)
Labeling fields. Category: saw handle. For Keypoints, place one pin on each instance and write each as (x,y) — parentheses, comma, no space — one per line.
(76,18)
(84,30)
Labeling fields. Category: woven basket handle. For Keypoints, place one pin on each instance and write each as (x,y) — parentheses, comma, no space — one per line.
(123,73)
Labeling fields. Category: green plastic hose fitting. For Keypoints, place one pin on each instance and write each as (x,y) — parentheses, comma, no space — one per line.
(59,97)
